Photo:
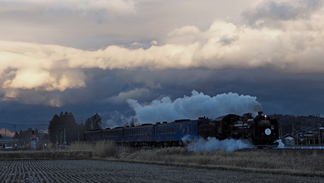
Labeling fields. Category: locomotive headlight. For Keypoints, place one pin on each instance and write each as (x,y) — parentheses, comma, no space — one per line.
(267,131)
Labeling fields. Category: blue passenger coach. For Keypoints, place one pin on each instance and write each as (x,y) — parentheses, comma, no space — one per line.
(171,134)
(137,136)
(92,135)
(116,134)
(155,135)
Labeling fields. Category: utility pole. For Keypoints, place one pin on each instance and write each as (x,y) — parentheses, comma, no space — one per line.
(15,136)
(64,136)
(281,130)
(313,120)
(61,137)
(314,129)
(15,131)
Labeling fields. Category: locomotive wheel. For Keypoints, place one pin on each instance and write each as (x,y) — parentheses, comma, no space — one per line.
(250,138)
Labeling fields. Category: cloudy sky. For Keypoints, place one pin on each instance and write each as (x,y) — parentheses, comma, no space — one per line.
(121,57)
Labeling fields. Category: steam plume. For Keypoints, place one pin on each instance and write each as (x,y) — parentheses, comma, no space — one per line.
(197,105)
(212,144)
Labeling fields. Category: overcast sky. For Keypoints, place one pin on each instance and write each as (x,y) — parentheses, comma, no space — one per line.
(114,57)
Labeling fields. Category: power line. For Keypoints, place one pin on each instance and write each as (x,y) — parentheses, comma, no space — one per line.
(34,124)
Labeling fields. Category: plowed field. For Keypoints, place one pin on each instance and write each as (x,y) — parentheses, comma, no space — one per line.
(104,171)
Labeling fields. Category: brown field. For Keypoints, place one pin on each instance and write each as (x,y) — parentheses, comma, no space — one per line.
(53,171)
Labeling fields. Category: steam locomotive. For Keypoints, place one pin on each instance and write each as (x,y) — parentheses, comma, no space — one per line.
(260,130)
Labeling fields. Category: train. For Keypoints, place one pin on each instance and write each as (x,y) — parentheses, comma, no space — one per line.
(260,130)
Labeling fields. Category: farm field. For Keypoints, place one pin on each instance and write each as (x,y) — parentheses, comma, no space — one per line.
(106,162)
(107,171)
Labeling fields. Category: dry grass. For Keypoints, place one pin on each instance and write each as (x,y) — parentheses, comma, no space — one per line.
(101,149)
(81,146)
(270,161)
(293,162)
(106,149)
(290,161)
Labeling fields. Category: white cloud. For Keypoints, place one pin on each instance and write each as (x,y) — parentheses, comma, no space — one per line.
(34,66)
(295,46)
(62,23)
(154,42)
(81,7)
(224,45)
(296,49)
(28,79)
(185,31)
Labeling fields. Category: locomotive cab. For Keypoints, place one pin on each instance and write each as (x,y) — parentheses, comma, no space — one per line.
(207,130)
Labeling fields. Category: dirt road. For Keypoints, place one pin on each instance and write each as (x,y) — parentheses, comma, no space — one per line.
(104,171)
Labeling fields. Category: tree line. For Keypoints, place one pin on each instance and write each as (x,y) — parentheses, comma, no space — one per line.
(25,135)
(64,127)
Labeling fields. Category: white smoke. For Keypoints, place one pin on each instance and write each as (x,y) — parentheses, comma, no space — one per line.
(116,119)
(281,145)
(212,144)
(197,105)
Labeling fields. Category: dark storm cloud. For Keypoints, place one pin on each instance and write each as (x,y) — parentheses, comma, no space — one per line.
(282,10)
(276,92)
(267,85)
(296,94)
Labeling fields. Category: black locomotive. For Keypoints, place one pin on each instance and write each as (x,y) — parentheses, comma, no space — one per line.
(260,130)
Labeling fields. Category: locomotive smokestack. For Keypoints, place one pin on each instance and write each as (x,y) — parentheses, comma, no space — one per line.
(260,113)
(258,108)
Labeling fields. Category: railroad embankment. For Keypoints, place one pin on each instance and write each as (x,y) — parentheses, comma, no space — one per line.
(45,155)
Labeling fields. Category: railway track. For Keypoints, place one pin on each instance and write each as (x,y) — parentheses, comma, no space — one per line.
(304,151)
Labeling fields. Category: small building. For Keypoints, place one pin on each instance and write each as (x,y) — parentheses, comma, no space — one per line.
(313,136)
(288,140)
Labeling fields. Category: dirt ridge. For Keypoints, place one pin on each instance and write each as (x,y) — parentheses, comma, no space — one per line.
(45,155)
